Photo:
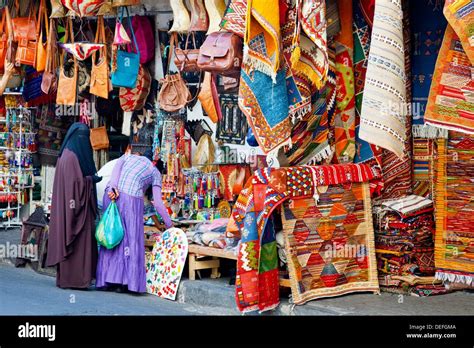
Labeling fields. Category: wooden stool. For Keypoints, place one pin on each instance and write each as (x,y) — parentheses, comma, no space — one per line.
(211,257)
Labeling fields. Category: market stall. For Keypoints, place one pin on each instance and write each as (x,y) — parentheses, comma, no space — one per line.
(325,146)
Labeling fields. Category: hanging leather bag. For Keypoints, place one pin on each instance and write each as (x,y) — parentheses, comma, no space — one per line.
(41,49)
(199,17)
(67,86)
(174,94)
(221,53)
(3,38)
(99,138)
(25,33)
(50,81)
(100,84)
(132,99)
(186,60)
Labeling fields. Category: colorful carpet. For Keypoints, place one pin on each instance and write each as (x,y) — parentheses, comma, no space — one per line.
(454,240)
(234,17)
(427,36)
(344,118)
(450,103)
(383,114)
(331,244)
(424,167)
(460,15)
(257,266)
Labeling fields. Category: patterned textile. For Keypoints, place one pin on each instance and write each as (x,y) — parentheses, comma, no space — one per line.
(423,167)
(228,176)
(383,118)
(265,105)
(460,15)
(257,266)
(454,240)
(81,50)
(234,17)
(262,41)
(450,103)
(404,229)
(310,136)
(137,172)
(344,118)
(311,58)
(397,172)
(427,36)
(165,264)
(330,244)
(365,152)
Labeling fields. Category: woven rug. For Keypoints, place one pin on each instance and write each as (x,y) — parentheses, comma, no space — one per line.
(257,266)
(331,244)
(365,152)
(460,15)
(234,17)
(383,115)
(423,167)
(344,118)
(454,240)
(450,104)
(427,36)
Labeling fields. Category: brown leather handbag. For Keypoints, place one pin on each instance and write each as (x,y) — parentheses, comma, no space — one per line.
(185,60)
(199,17)
(118,3)
(67,86)
(209,98)
(49,84)
(174,94)
(3,38)
(221,53)
(100,83)
(41,50)
(25,32)
(99,138)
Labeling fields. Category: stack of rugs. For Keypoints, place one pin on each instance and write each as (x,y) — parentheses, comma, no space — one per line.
(404,231)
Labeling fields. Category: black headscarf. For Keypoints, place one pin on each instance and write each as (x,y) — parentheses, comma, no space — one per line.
(78,141)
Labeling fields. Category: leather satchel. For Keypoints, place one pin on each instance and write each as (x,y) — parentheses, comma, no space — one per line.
(42,47)
(100,83)
(50,81)
(3,38)
(185,60)
(99,138)
(209,98)
(25,32)
(67,86)
(221,53)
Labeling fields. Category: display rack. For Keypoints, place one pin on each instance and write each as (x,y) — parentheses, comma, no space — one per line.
(16,172)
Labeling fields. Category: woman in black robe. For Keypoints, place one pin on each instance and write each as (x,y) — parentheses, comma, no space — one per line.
(71,244)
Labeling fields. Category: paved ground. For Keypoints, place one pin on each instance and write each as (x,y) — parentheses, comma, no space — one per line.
(24,292)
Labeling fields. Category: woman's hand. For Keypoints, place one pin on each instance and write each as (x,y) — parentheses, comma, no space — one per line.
(9,68)
(113,194)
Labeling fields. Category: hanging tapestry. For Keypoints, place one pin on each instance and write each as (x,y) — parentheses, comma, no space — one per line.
(450,103)
(397,172)
(427,36)
(454,238)
(330,245)
(232,128)
(165,264)
(423,167)
(460,15)
(383,116)
(234,17)
(257,267)
(265,105)
(310,136)
(344,118)
(262,40)
(365,152)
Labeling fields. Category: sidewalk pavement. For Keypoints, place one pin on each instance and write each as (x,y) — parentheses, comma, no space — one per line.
(216,297)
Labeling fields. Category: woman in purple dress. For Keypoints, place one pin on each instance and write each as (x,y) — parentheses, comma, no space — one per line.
(125,264)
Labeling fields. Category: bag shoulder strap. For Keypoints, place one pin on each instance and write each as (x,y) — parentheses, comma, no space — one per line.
(131,29)
(100,38)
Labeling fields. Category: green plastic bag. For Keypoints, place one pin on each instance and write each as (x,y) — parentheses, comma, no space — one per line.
(109,232)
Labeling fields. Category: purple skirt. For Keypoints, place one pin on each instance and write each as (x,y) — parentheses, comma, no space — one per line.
(125,264)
